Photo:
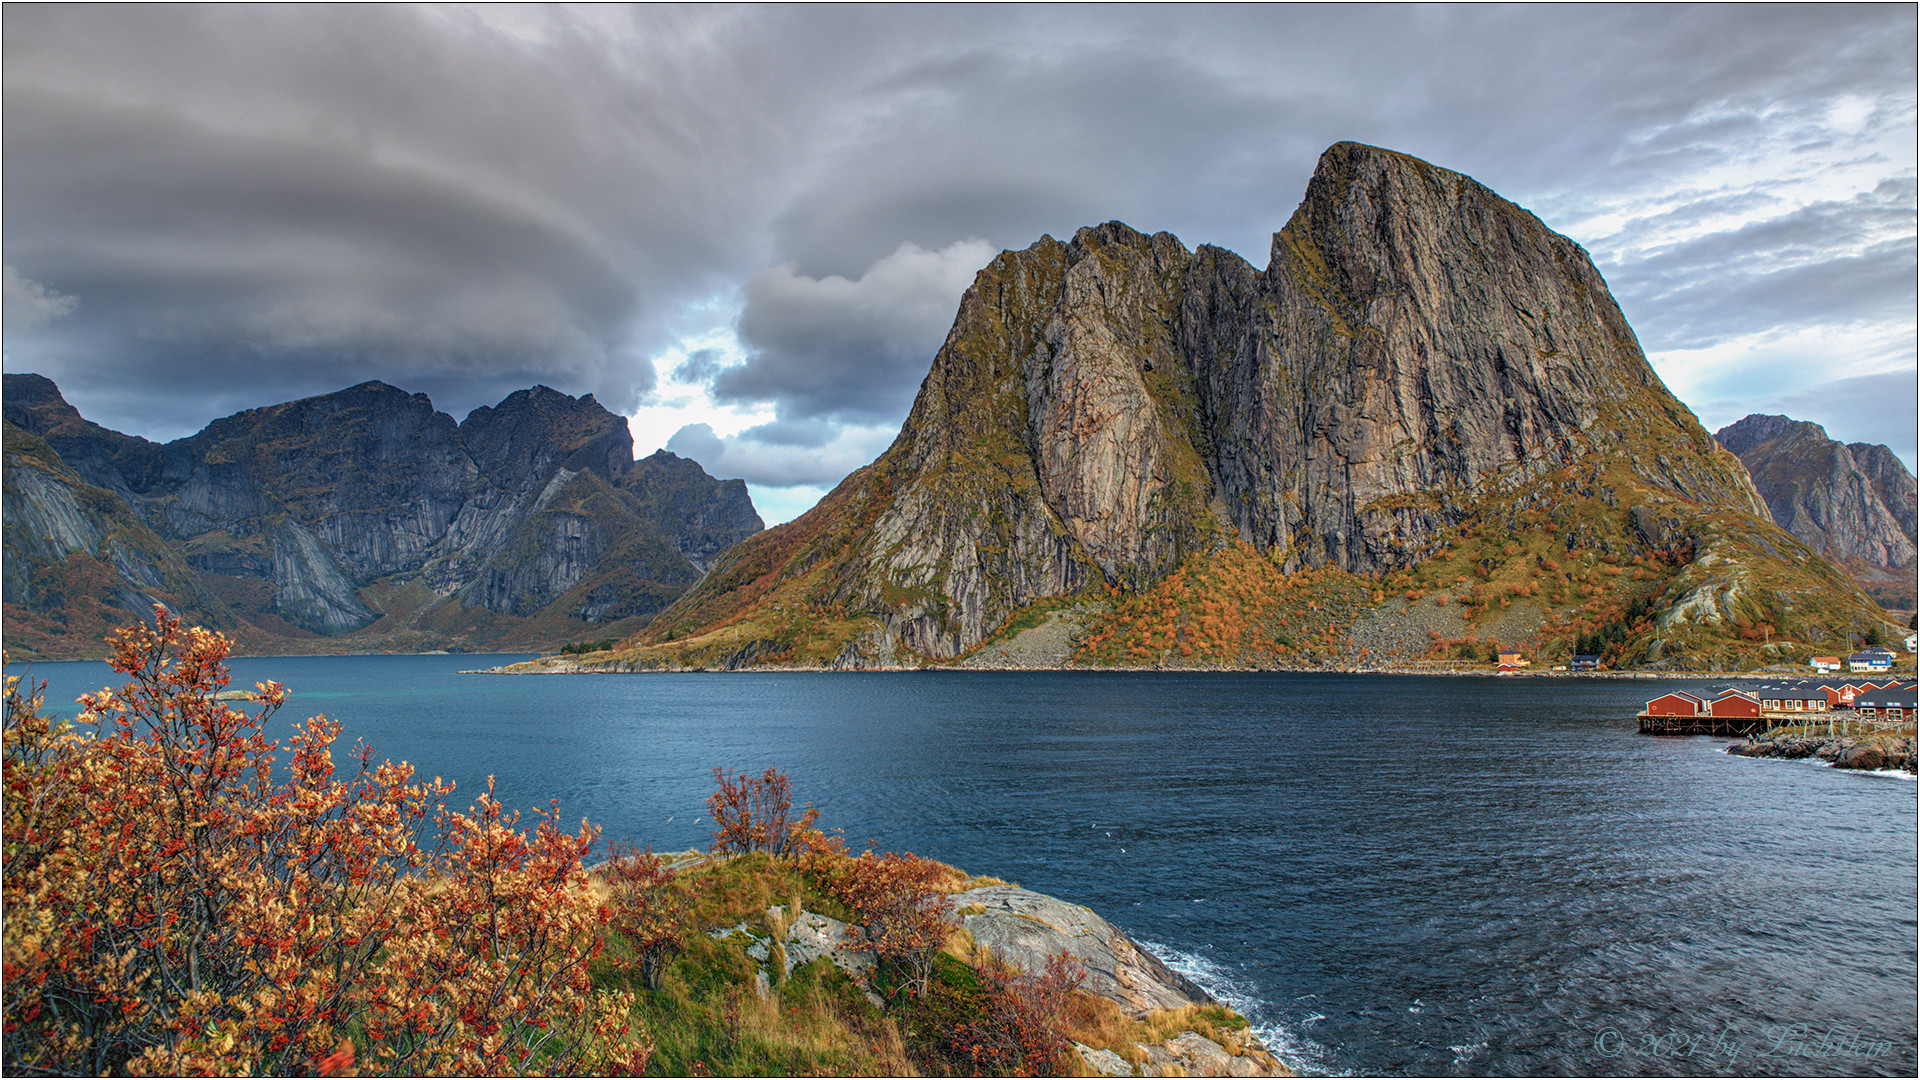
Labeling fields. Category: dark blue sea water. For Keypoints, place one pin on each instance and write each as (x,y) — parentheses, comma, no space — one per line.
(1389,874)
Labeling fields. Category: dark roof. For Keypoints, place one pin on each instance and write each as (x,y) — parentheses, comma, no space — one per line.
(1887,699)
(1787,690)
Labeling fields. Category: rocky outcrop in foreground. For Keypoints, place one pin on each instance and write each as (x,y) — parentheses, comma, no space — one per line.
(1025,928)
(1840,751)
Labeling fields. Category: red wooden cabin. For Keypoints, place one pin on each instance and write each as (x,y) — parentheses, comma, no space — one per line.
(1678,703)
(1736,703)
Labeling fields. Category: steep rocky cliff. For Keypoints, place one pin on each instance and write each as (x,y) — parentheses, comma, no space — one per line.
(1421,361)
(365,517)
(1891,482)
(1852,503)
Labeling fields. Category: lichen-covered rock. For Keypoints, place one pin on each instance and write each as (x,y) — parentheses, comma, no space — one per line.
(1199,1055)
(1025,928)
(812,935)
(1103,1062)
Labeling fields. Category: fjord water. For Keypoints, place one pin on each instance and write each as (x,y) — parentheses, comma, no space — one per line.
(1388,874)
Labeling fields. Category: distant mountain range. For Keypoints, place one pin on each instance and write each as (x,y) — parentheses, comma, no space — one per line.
(362,520)
(1425,428)
(1852,502)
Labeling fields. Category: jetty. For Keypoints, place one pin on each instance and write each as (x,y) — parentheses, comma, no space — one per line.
(1702,725)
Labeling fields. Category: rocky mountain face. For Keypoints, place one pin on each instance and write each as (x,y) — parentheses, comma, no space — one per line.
(1852,503)
(1419,357)
(331,516)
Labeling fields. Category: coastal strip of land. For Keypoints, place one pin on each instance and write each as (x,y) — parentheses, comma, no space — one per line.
(1868,752)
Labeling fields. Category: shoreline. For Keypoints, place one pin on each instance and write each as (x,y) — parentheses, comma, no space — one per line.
(1855,753)
(822,669)
(1449,672)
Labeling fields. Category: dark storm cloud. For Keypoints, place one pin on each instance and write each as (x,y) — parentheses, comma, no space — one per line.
(302,259)
(848,349)
(256,202)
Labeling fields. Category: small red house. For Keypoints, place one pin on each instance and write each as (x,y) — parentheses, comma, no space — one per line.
(1678,703)
(1736,703)
(1841,697)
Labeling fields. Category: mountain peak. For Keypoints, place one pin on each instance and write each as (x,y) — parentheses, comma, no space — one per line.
(1755,428)
(1854,504)
(1422,361)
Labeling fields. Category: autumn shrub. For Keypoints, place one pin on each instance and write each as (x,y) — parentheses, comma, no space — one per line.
(992,1021)
(899,900)
(175,904)
(755,813)
(647,908)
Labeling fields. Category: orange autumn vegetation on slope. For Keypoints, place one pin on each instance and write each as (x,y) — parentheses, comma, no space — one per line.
(1233,606)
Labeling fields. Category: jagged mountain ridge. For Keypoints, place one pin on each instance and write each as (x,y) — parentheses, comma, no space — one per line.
(1851,502)
(325,515)
(1418,354)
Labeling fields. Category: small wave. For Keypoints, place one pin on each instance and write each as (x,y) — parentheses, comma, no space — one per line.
(1464,1054)
(1284,1042)
(1901,773)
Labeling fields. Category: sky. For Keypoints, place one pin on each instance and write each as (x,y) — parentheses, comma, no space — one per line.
(747,229)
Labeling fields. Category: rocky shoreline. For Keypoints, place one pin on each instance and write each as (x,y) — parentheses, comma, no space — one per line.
(1869,752)
(1025,928)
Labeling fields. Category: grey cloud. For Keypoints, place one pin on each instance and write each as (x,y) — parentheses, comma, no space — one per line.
(804,433)
(1818,264)
(698,441)
(1010,145)
(30,304)
(291,199)
(769,456)
(1818,227)
(699,366)
(849,349)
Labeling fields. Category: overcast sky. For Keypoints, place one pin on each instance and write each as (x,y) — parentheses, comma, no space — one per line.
(748,228)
